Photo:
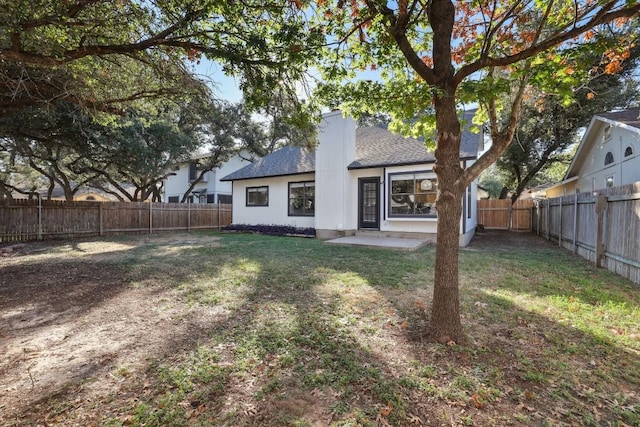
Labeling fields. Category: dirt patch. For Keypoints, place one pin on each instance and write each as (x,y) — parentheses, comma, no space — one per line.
(507,240)
(69,324)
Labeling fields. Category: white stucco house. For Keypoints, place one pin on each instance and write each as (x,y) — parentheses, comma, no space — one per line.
(211,189)
(608,155)
(357,180)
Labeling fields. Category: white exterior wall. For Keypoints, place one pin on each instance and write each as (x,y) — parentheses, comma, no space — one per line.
(177,184)
(334,185)
(277,213)
(625,170)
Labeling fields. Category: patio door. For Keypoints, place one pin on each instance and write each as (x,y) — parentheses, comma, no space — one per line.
(368,203)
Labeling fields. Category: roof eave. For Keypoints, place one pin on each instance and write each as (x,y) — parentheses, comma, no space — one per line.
(416,162)
(267,176)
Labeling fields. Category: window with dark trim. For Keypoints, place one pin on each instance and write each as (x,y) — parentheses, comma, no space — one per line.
(628,152)
(258,196)
(608,158)
(225,199)
(211,198)
(193,171)
(412,194)
(174,199)
(302,198)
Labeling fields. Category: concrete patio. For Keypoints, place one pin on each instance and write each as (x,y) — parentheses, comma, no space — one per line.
(398,243)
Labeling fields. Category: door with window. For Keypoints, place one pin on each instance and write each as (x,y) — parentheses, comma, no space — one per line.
(368,203)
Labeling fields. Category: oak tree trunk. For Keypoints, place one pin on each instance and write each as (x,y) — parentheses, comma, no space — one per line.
(446,325)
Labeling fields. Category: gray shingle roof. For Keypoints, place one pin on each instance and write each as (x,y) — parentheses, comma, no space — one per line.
(288,160)
(628,117)
(375,147)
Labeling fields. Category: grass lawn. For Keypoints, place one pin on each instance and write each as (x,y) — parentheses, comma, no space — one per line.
(234,329)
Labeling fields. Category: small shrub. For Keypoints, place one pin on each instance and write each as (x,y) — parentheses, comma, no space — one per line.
(272,230)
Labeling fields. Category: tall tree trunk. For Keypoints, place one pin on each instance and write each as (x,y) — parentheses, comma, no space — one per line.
(446,325)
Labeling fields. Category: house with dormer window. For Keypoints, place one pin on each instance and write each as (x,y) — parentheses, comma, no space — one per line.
(608,155)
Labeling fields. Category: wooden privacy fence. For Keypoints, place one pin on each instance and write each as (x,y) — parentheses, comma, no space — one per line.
(603,228)
(502,215)
(23,220)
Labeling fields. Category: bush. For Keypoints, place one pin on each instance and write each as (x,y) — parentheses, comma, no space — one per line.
(272,230)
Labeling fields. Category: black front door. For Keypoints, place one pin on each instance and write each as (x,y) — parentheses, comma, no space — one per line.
(368,203)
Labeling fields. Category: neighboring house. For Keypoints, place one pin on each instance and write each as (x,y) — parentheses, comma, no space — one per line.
(482,193)
(211,189)
(608,155)
(356,180)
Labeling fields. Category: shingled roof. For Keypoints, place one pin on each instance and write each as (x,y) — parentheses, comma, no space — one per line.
(628,117)
(288,160)
(375,147)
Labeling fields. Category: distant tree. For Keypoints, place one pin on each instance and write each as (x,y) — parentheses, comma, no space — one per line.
(491,181)
(279,124)
(216,126)
(374,119)
(49,140)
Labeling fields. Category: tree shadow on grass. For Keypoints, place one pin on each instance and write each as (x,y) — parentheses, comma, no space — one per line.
(276,331)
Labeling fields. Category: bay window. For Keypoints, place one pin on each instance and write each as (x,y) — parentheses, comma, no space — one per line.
(413,194)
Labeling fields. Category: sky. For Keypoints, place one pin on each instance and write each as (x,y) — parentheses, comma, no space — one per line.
(224,87)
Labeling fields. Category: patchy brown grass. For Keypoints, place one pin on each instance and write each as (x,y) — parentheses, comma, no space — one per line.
(226,330)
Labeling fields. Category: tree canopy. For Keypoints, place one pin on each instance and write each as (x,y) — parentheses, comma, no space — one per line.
(101,52)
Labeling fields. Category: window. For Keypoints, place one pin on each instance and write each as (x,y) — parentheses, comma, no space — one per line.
(174,199)
(258,196)
(608,181)
(302,198)
(211,198)
(225,199)
(608,158)
(606,134)
(468,202)
(413,194)
(193,171)
(628,152)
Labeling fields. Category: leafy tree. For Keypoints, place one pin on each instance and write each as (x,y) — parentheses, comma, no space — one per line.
(434,57)
(548,128)
(100,53)
(48,141)
(491,181)
(216,126)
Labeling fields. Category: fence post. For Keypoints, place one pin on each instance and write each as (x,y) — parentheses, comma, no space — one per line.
(538,217)
(575,223)
(150,217)
(100,218)
(39,217)
(546,217)
(560,223)
(218,215)
(188,215)
(510,219)
(601,207)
